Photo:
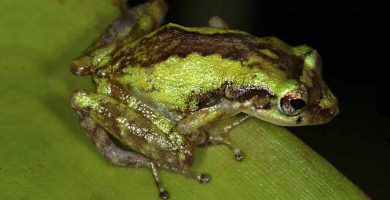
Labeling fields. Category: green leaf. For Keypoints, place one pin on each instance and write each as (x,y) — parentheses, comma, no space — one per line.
(45,154)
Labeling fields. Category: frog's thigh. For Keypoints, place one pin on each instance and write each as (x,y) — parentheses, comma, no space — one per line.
(132,129)
(117,91)
(113,154)
(134,22)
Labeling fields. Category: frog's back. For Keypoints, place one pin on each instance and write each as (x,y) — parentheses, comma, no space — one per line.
(180,67)
(173,39)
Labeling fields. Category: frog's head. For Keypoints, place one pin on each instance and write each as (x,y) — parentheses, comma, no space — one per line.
(299,98)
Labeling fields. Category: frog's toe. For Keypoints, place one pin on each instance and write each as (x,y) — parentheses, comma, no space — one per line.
(79,100)
(238,155)
(204,178)
(81,66)
(164,194)
(218,140)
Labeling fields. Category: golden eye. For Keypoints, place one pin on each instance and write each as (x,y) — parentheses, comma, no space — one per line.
(293,103)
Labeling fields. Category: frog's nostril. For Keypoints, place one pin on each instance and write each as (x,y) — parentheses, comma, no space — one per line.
(331,111)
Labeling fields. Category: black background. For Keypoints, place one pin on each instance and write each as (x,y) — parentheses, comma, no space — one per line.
(348,35)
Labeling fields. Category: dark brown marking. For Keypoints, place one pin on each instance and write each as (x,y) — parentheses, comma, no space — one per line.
(207,99)
(292,65)
(119,92)
(175,41)
(231,92)
(261,102)
(245,92)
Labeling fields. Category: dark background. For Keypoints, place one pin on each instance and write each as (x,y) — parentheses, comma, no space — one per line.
(346,34)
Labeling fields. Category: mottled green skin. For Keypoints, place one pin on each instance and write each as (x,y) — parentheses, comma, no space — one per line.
(171,82)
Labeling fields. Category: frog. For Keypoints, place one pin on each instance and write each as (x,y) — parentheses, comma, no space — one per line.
(162,90)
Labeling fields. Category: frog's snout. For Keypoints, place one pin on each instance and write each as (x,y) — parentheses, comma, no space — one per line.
(324,115)
(330,113)
(333,111)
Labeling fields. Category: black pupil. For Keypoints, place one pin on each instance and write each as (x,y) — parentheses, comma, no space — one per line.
(297,103)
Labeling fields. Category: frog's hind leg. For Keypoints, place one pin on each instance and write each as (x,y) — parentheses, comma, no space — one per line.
(218,133)
(115,155)
(132,24)
(88,110)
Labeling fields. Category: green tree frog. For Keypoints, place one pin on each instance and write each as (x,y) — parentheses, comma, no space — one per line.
(159,89)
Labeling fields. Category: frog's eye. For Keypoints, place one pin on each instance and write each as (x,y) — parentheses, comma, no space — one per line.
(293,103)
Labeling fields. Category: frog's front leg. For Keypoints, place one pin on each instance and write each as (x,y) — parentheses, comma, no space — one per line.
(218,133)
(196,124)
(100,113)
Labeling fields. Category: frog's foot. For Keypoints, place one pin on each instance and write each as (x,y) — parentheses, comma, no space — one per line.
(218,22)
(164,194)
(218,133)
(119,157)
(219,140)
